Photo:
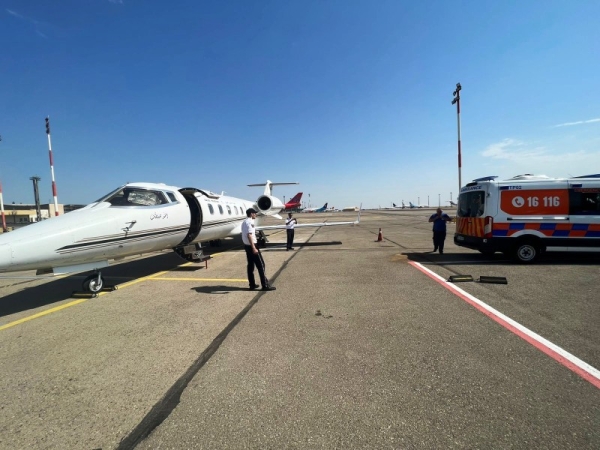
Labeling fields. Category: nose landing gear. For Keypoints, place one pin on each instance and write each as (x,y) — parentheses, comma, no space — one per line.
(93,283)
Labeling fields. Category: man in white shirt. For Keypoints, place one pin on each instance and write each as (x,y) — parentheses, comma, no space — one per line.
(289,228)
(253,255)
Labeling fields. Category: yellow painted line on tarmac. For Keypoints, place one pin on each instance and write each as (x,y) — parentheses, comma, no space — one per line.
(139,280)
(198,279)
(68,305)
(130,283)
(41,314)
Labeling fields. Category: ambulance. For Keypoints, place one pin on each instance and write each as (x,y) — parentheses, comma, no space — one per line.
(524,216)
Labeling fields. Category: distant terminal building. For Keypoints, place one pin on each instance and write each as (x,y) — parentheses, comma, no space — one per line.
(18,216)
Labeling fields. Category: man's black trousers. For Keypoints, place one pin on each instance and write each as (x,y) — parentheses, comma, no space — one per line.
(438,240)
(255,260)
(290,238)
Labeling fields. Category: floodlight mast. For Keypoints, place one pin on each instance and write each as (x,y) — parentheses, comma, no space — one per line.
(456,100)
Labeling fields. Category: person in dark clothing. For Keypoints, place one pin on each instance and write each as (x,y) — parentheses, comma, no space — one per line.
(439,220)
(253,256)
(289,228)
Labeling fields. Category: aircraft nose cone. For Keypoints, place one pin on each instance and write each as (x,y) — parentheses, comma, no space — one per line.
(5,256)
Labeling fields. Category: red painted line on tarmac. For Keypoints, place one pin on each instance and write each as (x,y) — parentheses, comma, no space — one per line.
(581,368)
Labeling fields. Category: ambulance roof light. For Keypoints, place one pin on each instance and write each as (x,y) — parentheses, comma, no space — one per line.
(530,176)
(490,178)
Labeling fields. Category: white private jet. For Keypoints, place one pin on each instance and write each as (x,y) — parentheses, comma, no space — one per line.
(134,219)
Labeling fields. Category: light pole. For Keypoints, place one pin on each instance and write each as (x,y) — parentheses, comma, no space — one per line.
(36,193)
(456,100)
(439,201)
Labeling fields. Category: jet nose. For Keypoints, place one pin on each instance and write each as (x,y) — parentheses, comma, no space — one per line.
(5,256)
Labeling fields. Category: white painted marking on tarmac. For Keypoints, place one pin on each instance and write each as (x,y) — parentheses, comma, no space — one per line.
(565,358)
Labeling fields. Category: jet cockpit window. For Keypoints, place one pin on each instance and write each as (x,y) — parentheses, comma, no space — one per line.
(137,197)
(172,197)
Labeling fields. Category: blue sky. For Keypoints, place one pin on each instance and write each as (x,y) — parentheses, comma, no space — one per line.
(350,98)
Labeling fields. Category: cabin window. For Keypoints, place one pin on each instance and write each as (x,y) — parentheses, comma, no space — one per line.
(584,201)
(228,209)
(211,209)
(220,209)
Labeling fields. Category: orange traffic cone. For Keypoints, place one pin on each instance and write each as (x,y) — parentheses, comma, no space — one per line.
(380,236)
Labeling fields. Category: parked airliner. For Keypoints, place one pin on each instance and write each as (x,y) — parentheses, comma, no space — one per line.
(321,209)
(294,203)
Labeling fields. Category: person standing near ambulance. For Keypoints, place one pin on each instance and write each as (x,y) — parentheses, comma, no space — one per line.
(253,256)
(289,228)
(439,220)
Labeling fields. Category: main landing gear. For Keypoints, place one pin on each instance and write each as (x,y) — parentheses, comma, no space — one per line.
(261,239)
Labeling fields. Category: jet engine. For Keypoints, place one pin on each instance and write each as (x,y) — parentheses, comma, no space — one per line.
(269,205)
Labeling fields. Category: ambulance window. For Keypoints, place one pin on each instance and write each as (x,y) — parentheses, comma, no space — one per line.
(470,204)
(211,209)
(220,209)
(584,201)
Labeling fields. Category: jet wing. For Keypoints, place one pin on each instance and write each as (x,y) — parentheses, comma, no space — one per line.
(303,225)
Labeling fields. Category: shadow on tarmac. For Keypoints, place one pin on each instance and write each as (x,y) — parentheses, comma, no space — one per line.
(303,244)
(220,289)
(546,259)
(59,290)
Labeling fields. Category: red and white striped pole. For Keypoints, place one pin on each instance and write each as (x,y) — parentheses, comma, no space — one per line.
(52,167)
(456,100)
(4,229)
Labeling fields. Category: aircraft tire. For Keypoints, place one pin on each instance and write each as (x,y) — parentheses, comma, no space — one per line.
(92,285)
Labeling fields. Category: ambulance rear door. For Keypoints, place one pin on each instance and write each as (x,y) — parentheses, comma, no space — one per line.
(474,204)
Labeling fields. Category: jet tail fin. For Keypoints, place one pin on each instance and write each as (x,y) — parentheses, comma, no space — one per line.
(296,198)
(358,218)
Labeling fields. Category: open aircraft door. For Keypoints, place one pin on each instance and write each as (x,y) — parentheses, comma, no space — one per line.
(192,252)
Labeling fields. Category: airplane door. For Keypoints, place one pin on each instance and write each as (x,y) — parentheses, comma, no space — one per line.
(191,196)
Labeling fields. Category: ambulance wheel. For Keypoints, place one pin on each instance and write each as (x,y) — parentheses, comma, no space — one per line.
(92,284)
(527,251)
